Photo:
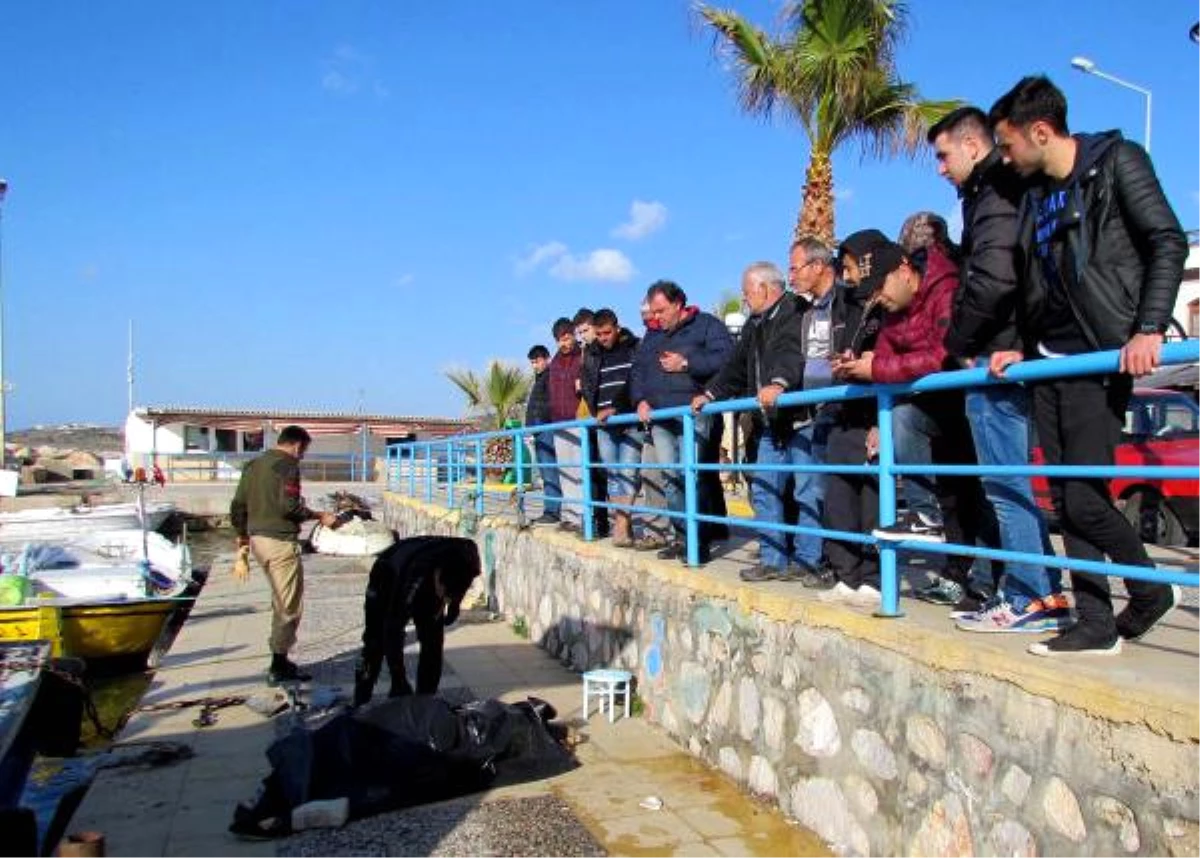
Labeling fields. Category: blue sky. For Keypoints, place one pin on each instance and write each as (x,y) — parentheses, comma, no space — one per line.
(320,205)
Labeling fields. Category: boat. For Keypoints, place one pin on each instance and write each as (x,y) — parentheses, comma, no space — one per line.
(106,633)
(20,676)
(170,563)
(63,522)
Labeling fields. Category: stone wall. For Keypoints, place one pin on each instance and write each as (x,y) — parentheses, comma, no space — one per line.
(882,737)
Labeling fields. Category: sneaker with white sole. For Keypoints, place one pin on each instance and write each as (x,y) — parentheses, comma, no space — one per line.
(1080,639)
(839,592)
(912,527)
(1137,620)
(940,591)
(1050,614)
(867,596)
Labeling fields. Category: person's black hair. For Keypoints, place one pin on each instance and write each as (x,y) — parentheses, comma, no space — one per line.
(583,316)
(957,120)
(561,326)
(669,290)
(1033,99)
(538,352)
(294,435)
(605,316)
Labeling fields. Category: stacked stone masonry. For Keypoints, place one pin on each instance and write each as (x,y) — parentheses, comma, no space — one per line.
(878,752)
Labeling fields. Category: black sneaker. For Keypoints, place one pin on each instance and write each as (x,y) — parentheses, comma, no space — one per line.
(1080,639)
(286,672)
(758,573)
(821,578)
(673,551)
(545,518)
(1136,620)
(912,527)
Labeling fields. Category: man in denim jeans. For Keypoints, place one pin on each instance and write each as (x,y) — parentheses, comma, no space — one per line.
(604,383)
(984,322)
(537,412)
(767,362)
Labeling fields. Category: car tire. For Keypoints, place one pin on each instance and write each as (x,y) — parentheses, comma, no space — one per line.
(1154,520)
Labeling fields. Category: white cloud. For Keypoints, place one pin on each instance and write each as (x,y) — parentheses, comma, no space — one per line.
(405,279)
(844,194)
(603,264)
(348,70)
(540,254)
(644,219)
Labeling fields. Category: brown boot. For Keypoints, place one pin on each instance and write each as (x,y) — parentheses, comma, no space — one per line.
(622,535)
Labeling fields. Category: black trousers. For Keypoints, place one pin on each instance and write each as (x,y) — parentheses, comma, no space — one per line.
(1079,422)
(851,504)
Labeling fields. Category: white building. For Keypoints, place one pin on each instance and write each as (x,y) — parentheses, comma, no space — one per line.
(207,443)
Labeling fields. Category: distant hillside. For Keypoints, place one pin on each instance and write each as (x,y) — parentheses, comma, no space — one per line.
(73,436)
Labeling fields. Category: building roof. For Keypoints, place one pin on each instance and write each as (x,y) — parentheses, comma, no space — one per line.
(315,422)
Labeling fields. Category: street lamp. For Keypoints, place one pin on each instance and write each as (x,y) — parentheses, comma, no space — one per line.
(1086,66)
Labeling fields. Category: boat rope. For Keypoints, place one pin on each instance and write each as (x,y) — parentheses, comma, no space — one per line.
(89,705)
(208,707)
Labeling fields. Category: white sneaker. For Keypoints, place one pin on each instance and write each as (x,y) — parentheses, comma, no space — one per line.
(868,597)
(839,592)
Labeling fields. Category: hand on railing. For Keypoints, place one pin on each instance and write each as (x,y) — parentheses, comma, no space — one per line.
(1140,356)
(1003,360)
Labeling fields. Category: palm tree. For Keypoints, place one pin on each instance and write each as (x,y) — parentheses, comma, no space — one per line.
(496,397)
(834,72)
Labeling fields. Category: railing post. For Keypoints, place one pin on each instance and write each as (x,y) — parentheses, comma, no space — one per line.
(518,445)
(450,474)
(479,476)
(585,483)
(429,472)
(687,461)
(888,578)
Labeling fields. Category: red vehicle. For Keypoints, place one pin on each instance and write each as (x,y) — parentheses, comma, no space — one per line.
(1162,427)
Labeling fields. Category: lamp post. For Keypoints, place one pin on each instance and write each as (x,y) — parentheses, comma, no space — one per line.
(3,439)
(1086,66)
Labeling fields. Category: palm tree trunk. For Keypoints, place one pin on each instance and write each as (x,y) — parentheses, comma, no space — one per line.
(816,212)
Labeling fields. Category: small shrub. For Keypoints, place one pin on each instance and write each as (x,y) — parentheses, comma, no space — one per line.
(520,627)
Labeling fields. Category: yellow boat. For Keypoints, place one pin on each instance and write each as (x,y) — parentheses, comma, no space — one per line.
(94,631)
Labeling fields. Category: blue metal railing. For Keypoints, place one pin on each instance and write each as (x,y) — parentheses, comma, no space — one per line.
(451,466)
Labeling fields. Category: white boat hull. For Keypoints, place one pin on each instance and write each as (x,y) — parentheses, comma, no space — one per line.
(355,538)
(60,522)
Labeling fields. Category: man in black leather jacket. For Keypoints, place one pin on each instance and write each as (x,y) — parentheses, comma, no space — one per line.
(1100,259)
(984,321)
(767,362)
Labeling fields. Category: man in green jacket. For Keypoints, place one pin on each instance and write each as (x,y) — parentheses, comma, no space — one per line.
(267,511)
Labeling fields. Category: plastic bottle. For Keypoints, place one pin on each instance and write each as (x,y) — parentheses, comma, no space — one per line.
(329,813)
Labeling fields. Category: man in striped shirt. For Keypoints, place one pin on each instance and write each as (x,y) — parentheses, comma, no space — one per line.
(604,383)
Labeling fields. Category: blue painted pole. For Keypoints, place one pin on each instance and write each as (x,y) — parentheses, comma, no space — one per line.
(429,465)
(687,461)
(518,445)
(479,477)
(585,483)
(888,578)
(451,473)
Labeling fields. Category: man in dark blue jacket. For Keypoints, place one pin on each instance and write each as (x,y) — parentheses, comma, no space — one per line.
(670,367)
(604,383)
(1101,256)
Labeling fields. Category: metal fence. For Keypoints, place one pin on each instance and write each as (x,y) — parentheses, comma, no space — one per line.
(456,466)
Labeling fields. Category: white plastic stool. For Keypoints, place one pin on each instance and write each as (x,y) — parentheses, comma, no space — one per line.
(606,684)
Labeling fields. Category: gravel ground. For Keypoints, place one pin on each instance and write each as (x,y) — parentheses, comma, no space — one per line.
(541,825)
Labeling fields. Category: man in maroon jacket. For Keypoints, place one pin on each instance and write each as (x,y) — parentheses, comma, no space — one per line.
(917,293)
(564,403)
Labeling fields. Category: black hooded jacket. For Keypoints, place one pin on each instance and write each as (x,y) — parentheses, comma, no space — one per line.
(1118,246)
(984,316)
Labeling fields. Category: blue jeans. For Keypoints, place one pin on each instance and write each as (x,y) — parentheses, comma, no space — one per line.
(805,447)
(667,437)
(913,431)
(999,417)
(543,451)
(620,445)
